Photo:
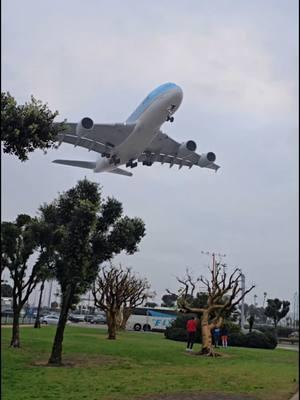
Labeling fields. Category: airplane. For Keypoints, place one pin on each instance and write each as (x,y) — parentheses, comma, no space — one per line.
(138,139)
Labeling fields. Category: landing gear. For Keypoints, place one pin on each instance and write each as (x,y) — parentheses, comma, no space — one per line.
(148,163)
(131,164)
(114,160)
(107,155)
(170,112)
(169,118)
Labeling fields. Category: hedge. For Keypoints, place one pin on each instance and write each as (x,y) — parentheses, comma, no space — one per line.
(266,340)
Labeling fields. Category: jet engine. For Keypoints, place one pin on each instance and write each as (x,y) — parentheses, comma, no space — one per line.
(84,126)
(206,159)
(186,148)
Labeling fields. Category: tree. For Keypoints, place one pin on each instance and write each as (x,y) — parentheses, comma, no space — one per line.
(223,295)
(6,290)
(27,127)
(277,309)
(169,300)
(92,231)
(19,243)
(47,239)
(117,291)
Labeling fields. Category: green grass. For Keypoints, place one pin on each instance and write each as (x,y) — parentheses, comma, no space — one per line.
(137,364)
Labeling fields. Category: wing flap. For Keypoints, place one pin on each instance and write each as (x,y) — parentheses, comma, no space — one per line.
(75,163)
(165,149)
(120,171)
(104,134)
(83,142)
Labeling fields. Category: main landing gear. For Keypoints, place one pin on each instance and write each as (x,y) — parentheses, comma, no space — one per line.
(131,164)
(114,160)
(169,118)
(148,163)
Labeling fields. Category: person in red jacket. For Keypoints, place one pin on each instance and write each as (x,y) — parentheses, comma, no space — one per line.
(191,327)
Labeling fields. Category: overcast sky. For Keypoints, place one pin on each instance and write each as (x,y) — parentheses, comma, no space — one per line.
(237,63)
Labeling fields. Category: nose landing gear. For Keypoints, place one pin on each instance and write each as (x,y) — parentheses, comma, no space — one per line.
(170,111)
(169,118)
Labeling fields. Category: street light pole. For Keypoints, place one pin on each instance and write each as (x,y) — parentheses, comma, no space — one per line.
(255,300)
(294,316)
(213,254)
(243,304)
(265,296)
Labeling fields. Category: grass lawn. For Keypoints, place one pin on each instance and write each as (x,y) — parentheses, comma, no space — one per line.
(137,364)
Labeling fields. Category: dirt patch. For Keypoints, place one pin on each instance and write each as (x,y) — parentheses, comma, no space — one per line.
(197,354)
(83,360)
(197,396)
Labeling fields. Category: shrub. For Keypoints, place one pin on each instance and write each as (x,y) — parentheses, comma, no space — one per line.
(266,329)
(178,334)
(282,331)
(253,339)
(177,331)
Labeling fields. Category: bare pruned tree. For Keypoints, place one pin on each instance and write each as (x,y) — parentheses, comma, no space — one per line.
(117,291)
(224,293)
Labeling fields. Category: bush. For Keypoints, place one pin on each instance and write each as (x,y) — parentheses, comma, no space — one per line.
(266,329)
(253,339)
(177,331)
(282,331)
(177,334)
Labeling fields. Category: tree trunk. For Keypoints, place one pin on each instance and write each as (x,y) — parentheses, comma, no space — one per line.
(56,354)
(15,339)
(126,315)
(112,325)
(119,319)
(207,346)
(37,323)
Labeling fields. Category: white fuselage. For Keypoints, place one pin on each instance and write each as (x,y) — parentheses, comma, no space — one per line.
(148,117)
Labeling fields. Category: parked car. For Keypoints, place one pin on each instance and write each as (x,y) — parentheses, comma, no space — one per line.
(50,319)
(294,335)
(88,318)
(76,317)
(7,313)
(98,319)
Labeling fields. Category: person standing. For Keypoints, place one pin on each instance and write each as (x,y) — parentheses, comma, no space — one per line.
(224,335)
(191,327)
(216,335)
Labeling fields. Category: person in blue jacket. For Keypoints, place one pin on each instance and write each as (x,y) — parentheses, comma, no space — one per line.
(216,332)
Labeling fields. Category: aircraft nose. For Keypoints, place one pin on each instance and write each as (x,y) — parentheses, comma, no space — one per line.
(177,95)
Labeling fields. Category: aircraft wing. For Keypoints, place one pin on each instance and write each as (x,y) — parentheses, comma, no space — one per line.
(164,149)
(100,139)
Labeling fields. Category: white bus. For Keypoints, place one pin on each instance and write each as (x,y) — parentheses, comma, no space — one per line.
(151,319)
